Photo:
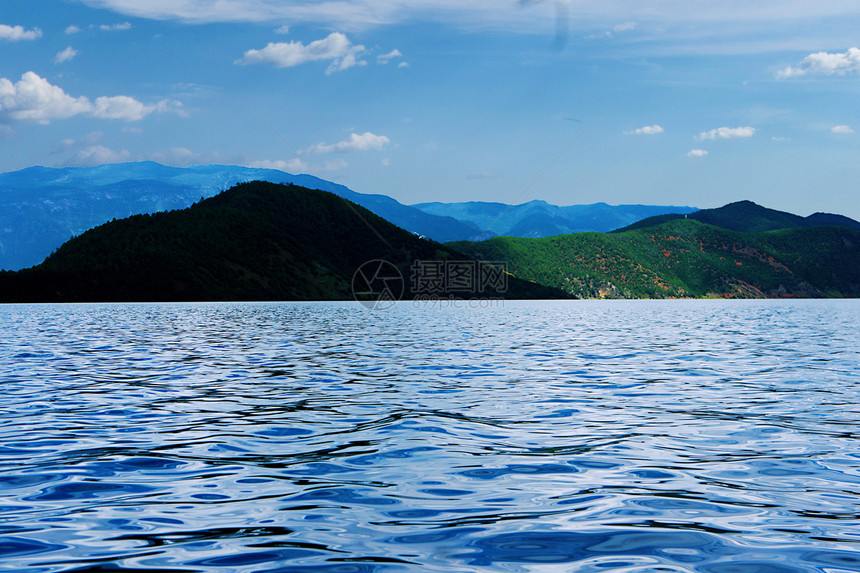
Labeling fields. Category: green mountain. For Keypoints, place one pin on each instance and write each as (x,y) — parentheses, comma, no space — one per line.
(256,241)
(748,217)
(687,258)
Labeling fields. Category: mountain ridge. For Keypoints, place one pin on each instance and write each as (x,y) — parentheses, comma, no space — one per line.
(42,207)
(749,217)
(537,218)
(255,241)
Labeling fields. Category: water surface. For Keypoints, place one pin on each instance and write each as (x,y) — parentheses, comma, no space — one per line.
(706,436)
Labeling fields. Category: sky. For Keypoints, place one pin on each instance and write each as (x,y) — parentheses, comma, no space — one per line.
(693,102)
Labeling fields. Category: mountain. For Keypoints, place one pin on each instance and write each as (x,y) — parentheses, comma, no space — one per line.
(538,219)
(256,241)
(40,207)
(687,258)
(748,217)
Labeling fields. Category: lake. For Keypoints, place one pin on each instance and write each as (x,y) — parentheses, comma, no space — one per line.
(706,436)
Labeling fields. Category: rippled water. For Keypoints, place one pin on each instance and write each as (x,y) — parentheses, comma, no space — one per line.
(707,436)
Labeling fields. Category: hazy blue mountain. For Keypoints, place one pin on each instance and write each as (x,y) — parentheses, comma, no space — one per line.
(537,219)
(41,207)
(749,217)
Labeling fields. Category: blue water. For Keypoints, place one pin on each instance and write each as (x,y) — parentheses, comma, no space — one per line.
(706,436)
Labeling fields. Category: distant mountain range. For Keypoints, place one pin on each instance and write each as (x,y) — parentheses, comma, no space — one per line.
(537,219)
(41,208)
(255,241)
(741,250)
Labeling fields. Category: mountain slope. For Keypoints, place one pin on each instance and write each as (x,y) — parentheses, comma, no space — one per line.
(748,217)
(538,219)
(40,207)
(256,241)
(686,258)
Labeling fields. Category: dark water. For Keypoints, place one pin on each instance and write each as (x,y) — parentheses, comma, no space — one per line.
(707,436)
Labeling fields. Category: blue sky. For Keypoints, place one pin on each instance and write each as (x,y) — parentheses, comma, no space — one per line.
(660,102)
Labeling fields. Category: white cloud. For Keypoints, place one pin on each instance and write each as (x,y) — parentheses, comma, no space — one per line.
(121,27)
(66,55)
(335,47)
(366,141)
(34,98)
(403,65)
(18,33)
(646,130)
(299,166)
(727,133)
(385,58)
(282,30)
(841,129)
(88,151)
(98,155)
(121,107)
(72,29)
(697,153)
(826,64)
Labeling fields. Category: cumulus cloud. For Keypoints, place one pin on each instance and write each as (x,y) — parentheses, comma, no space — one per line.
(72,30)
(366,141)
(33,98)
(18,33)
(282,30)
(841,129)
(727,133)
(825,64)
(66,55)
(697,153)
(336,47)
(385,58)
(646,130)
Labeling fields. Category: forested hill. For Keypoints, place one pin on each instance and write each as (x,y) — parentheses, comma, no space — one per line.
(256,241)
(749,217)
(687,258)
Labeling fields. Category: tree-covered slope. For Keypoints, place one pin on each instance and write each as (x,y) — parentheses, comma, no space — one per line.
(686,258)
(256,241)
(749,217)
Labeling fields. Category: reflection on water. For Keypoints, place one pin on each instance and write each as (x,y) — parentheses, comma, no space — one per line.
(707,436)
